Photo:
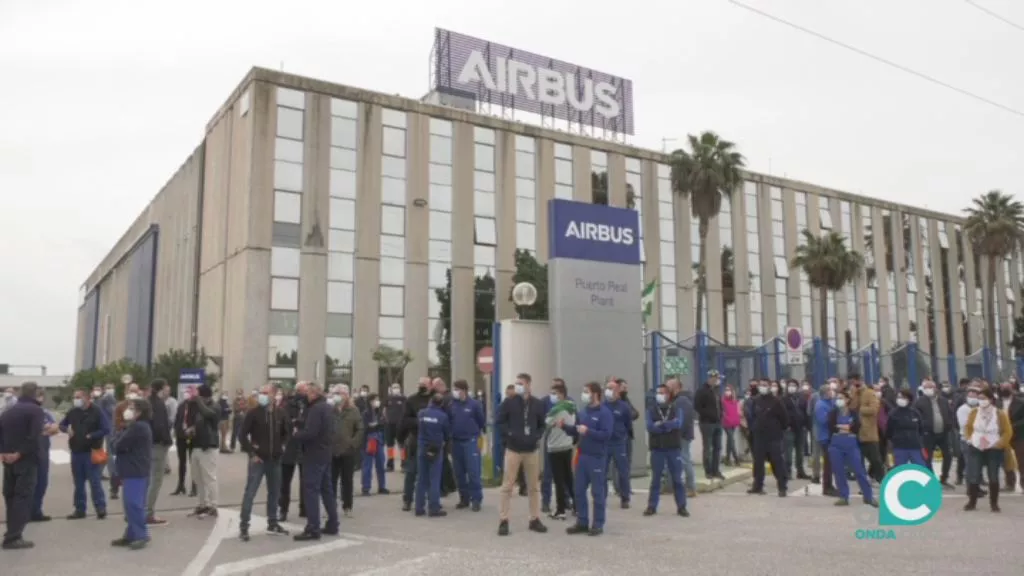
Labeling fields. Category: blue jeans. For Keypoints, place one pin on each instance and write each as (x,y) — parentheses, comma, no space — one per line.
(673,460)
(133,497)
(256,472)
(618,457)
(844,455)
(592,473)
(316,487)
(42,481)
(903,456)
(409,467)
(82,471)
(374,461)
(428,480)
(466,462)
(691,476)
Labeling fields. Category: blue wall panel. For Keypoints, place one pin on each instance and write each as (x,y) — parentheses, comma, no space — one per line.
(141,287)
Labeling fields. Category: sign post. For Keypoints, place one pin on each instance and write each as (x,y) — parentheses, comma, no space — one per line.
(190,378)
(794,346)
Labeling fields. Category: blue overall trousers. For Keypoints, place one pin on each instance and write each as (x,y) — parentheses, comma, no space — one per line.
(591,472)
(844,455)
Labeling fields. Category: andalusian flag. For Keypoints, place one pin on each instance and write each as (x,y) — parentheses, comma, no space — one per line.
(647,299)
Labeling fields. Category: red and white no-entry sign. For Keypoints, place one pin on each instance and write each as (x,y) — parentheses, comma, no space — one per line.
(485,359)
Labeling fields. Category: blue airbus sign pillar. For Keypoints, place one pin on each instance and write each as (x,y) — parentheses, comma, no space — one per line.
(594,288)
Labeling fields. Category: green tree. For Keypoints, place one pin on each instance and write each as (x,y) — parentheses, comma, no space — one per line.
(337,372)
(995,229)
(529,270)
(392,363)
(170,364)
(829,266)
(707,175)
(483,296)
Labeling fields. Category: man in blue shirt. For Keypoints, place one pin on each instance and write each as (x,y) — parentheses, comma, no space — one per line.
(468,422)
(434,432)
(43,476)
(664,425)
(594,428)
(622,431)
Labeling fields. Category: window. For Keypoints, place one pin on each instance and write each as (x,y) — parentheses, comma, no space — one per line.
(344,108)
(438,276)
(340,352)
(483,203)
(339,297)
(287,207)
(826,216)
(343,133)
(441,150)
(392,167)
(288,150)
(440,251)
(483,135)
(343,159)
(485,231)
(392,300)
(526,188)
(911,284)
(563,151)
(392,118)
(284,294)
(392,220)
(1010,297)
(943,237)
(390,327)
(526,238)
(526,210)
(282,350)
(284,262)
(289,123)
(440,225)
(342,184)
(440,127)
(563,171)
(440,197)
(392,191)
(781,267)
(392,246)
(394,142)
(524,165)
(483,158)
(525,144)
(343,214)
(392,271)
(440,174)
(340,266)
(288,176)
(291,98)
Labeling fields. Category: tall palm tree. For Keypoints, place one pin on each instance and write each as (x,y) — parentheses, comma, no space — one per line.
(708,174)
(995,229)
(829,266)
(728,263)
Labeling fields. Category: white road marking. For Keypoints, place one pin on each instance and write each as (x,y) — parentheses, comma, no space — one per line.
(411,567)
(246,566)
(219,532)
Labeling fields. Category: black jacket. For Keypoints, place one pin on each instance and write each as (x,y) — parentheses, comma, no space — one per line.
(408,428)
(904,428)
(521,421)
(265,432)
(770,419)
(296,409)
(1016,413)
(924,407)
(21,426)
(159,422)
(203,419)
(796,411)
(633,414)
(393,410)
(708,405)
(89,427)
(317,433)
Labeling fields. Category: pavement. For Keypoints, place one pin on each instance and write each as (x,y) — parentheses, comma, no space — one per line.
(729,532)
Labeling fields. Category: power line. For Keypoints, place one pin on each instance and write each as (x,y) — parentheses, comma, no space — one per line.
(995,15)
(879,59)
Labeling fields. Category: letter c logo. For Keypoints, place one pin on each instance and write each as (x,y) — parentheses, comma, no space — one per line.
(910,496)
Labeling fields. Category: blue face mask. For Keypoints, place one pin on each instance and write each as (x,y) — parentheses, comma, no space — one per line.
(554,398)
(263,399)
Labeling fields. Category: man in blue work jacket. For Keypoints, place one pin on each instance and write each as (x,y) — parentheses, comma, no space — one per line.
(664,427)
(87,427)
(622,431)
(43,475)
(435,430)
(315,438)
(468,422)
(594,428)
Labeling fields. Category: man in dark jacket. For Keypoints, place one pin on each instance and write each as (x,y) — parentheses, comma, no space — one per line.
(708,405)
(21,426)
(316,437)
(521,420)
(263,434)
(937,425)
(408,437)
(296,405)
(769,426)
(796,434)
(86,427)
(448,485)
(680,399)
(393,410)
(201,424)
(160,425)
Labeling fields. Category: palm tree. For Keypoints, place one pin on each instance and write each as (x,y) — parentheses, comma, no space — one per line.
(599,190)
(728,262)
(829,266)
(707,174)
(995,228)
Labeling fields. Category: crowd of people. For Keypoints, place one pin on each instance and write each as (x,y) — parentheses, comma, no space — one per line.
(557,449)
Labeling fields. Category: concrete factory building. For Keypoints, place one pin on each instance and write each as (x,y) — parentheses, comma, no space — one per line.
(316,221)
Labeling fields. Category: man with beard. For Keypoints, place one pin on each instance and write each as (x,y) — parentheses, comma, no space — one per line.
(408,437)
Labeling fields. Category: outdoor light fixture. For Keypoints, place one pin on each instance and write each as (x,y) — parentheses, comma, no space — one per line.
(419,202)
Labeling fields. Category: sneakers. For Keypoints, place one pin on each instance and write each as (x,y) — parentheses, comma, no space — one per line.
(18,544)
(201,512)
(503,528)
(347,512)
(537,526)
(545,509)
(475,507)
(275,529)
(383,491)
(40,518)
(437,514)
(156,521)
(462,505)
(577,529)
(624,505)
(76,515)
(650,511)
(682,512)
(757,491)
(243,534)
(557,515)
(306,537)
(595,532)
(101,514)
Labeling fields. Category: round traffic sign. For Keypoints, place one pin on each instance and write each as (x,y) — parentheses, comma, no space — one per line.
(485,359)
(794,339)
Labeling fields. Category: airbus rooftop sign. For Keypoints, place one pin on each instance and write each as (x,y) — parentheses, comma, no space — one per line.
(470,67)
(595,232)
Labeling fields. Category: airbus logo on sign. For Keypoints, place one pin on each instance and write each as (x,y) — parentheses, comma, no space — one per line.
(541,84)
(599,232)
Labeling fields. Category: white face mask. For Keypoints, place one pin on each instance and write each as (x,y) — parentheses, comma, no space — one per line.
(929,392)
(78,403)
(263,399)
(278,398)
(805,388)
(585,397)
(109,392)
(972,401)
(840,402)
(457,394)
(554,398)
(984,403)
(134,396)
(791,389)
(762,389)
(96,393)
(520,389)
(661,398)
(375,403)
(902,402)
(396,392)
(775,390)
(608,394)
(129,415)
(833,386)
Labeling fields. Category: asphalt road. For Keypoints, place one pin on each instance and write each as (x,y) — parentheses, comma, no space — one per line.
(728,533)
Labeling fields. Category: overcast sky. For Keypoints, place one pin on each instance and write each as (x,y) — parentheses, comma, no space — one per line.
(103,100)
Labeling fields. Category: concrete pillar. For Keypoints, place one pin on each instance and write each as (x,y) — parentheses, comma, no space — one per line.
(365,329)
(417,241)
(313,253)
(463,341)
(505,205)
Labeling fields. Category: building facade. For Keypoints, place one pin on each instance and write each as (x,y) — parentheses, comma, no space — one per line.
(316,221)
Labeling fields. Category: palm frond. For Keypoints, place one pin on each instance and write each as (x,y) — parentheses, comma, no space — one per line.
(826,260)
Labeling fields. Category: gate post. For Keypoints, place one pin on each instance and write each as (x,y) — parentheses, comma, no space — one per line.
(912,374)
(1020,368)
(986,364)
(655,360)
(951,367)
(701,373)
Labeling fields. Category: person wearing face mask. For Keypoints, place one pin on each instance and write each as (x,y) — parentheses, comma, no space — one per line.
(1004,400)
(373,446)
(823,433)
(408,437)
(394,407)
(866,404)
(21,430)
(776,388)
(447,471)
(937,422)
(467,424)
(561,414)
(434,433)
(971,396)
(844,448)
(988,432)
(8,400)
(264,432)
(201,428)
(86,427)
(316,438)
(904,431)
(239,408)
(296,405)
(43,476)
(134,463)
(521,420)
(183,443)
(362,399)
(593,430)
(769,425)
(664,424)
(817,453)
(1015,410)
(347,442)
(617,458)
(795,434)
(708,405)
(730,424)
(224,423)
(162,442)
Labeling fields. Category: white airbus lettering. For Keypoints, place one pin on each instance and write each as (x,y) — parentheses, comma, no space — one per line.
(599,232)
(542,84)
